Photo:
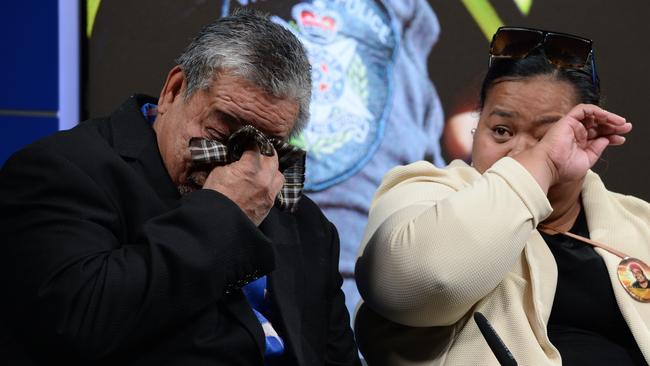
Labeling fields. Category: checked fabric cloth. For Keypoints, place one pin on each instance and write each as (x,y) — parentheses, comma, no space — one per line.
(207,152)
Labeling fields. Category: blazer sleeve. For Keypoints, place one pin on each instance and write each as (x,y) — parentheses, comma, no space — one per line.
(72,286)
(438,241)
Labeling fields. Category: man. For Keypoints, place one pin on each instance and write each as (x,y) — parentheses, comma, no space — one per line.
(639,276)
(118,249)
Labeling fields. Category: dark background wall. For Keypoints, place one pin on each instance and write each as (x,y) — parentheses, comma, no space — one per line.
(133,45)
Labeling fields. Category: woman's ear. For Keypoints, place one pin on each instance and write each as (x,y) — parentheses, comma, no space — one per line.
(174,88)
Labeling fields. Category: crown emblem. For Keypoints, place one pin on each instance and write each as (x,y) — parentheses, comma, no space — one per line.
(316,22)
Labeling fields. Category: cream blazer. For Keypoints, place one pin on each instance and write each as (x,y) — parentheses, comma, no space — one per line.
(441,244)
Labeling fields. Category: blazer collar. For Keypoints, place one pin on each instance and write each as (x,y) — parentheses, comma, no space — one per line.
(616,221)
(620,222)
(608,222)
(612,223)
(135,140)
(240,308)
(286,279)
(131,131)
(283,282)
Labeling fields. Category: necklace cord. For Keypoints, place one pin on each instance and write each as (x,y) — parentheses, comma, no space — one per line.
(585,240)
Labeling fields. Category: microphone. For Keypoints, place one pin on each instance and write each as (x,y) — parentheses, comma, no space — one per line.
(501,352)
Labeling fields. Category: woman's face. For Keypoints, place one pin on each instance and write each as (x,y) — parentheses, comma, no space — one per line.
(516,115)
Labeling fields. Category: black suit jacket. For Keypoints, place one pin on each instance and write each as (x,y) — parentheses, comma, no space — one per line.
(103,262)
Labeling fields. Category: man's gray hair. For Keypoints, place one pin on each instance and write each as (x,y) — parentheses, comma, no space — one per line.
(249,45)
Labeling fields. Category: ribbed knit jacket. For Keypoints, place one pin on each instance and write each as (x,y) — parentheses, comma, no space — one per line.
(443,243)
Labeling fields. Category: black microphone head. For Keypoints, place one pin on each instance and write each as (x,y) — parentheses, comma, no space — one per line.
(501,352)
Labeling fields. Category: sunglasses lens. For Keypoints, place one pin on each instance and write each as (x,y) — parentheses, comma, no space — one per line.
(567,51)
(515,43)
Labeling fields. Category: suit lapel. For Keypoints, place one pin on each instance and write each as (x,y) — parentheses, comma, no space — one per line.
(282,284)
(612,224)
(286,279)
(135,141)
(543,278)
(238,305)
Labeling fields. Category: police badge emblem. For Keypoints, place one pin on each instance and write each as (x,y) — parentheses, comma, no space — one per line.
(351,45)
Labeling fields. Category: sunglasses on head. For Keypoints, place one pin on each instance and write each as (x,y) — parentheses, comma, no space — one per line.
(562,50)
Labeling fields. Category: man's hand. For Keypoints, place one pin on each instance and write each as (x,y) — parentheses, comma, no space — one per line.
(252,183)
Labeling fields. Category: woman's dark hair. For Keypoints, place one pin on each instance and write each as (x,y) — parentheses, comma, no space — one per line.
(535,64)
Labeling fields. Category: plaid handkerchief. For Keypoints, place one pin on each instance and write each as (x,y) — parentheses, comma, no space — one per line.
(292,159)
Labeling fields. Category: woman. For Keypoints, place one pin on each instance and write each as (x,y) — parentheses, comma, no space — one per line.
(498,237)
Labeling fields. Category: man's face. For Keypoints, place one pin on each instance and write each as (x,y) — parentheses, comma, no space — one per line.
(638,274)
(230,103)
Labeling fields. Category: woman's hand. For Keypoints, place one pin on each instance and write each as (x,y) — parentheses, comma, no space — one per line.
(575,142)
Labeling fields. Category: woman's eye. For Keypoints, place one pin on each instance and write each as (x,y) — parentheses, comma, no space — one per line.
(501,132)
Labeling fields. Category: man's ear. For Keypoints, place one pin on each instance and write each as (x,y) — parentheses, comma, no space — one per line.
(173,88)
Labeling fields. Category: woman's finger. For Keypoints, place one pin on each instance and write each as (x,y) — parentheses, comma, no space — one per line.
(580,133)
(616,140)
(592,133)
(605,130)
(603,117)
(586,112)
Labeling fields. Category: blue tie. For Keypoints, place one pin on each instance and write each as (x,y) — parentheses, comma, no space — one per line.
(256,294)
